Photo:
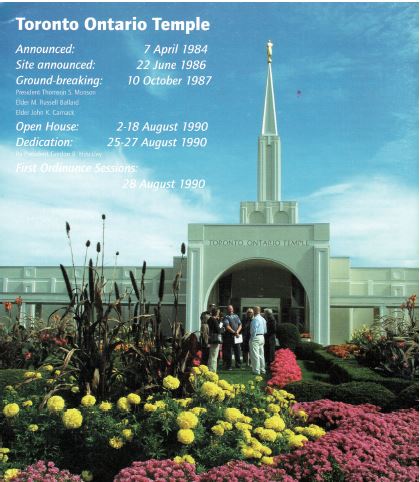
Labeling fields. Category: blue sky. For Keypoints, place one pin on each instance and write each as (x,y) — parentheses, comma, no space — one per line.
(349,139)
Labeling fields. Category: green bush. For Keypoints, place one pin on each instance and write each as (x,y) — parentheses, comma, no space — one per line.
(407,398)
(10,376)
(357,393)
(309,390)
(349,370)
(288,335)
(305,351)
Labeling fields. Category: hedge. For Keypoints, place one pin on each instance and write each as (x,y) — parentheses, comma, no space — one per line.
(305,351)
(358,393)
(407,398)
(348,370)
(288,335)
(309,390)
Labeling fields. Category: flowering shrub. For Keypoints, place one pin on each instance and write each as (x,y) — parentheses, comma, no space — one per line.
(367,447)
(45,472)
(243,472)
(161,470)
(391,344)
(332,414)
(344,350)
(284,368)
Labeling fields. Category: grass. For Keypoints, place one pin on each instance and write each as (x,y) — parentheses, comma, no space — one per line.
(237,375)
(310,371)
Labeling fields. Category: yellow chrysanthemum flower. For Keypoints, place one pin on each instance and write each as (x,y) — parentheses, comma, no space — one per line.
(218,430)
(187,420)
(171,383)
(127,433)
(72,418)
(204,368)
(297,440)
(48,368)
(302,415)
(268,435)
(105,406)
(275,422)
(150,407)
(248,452)
(33,427)
(198,410)
(196,370)
(133,399)
(233,415)
(88,401)
(123,404)
(11,410)
(55,404)
(185,458)
(210,389)
(267,460)
(185,436)
(10,473)
(87,475)
(75,389)
(213,377)
(27,403)
(116,442)
(273,408)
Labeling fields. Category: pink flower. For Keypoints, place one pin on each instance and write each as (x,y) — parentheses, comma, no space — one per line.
(284,368)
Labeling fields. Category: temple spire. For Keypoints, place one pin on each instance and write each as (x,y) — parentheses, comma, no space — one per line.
(269,164)
(269,125)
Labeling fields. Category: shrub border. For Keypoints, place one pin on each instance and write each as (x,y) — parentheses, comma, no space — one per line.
(345,370)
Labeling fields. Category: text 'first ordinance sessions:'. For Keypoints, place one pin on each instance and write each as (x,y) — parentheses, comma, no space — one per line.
(91,24)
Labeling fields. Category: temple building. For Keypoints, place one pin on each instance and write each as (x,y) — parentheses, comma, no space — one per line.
(268,259)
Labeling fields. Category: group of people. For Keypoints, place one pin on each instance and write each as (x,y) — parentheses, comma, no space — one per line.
(254,337)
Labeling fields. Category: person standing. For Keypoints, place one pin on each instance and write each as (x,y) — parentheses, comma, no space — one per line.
(215,329)
(233,326)
(256,342)
(270,337)
(246,325)
(204,334)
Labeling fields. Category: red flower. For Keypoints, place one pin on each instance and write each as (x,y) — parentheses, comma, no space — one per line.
(284,368)
(7,305)
(27,355)
(196,362)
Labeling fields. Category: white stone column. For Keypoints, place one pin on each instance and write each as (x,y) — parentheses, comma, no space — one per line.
(321,305)
(350,310)
(194,288)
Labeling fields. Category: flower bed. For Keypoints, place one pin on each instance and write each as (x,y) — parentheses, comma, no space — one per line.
(365,447)
(220,422)
(362,445)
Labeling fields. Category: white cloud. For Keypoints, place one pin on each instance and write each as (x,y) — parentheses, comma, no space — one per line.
(373,221)
(141,224)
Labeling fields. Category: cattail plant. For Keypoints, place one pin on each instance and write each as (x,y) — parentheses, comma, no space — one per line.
(71,252)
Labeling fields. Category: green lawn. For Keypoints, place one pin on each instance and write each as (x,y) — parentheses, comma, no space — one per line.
(237,375)
(309,372)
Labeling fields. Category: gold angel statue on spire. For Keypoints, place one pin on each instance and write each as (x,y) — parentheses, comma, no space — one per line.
(269,51)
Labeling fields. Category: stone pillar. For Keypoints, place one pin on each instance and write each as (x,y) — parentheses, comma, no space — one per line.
(320,326)
(194,296)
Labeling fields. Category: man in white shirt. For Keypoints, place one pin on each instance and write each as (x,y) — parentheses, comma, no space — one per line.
(256,343)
